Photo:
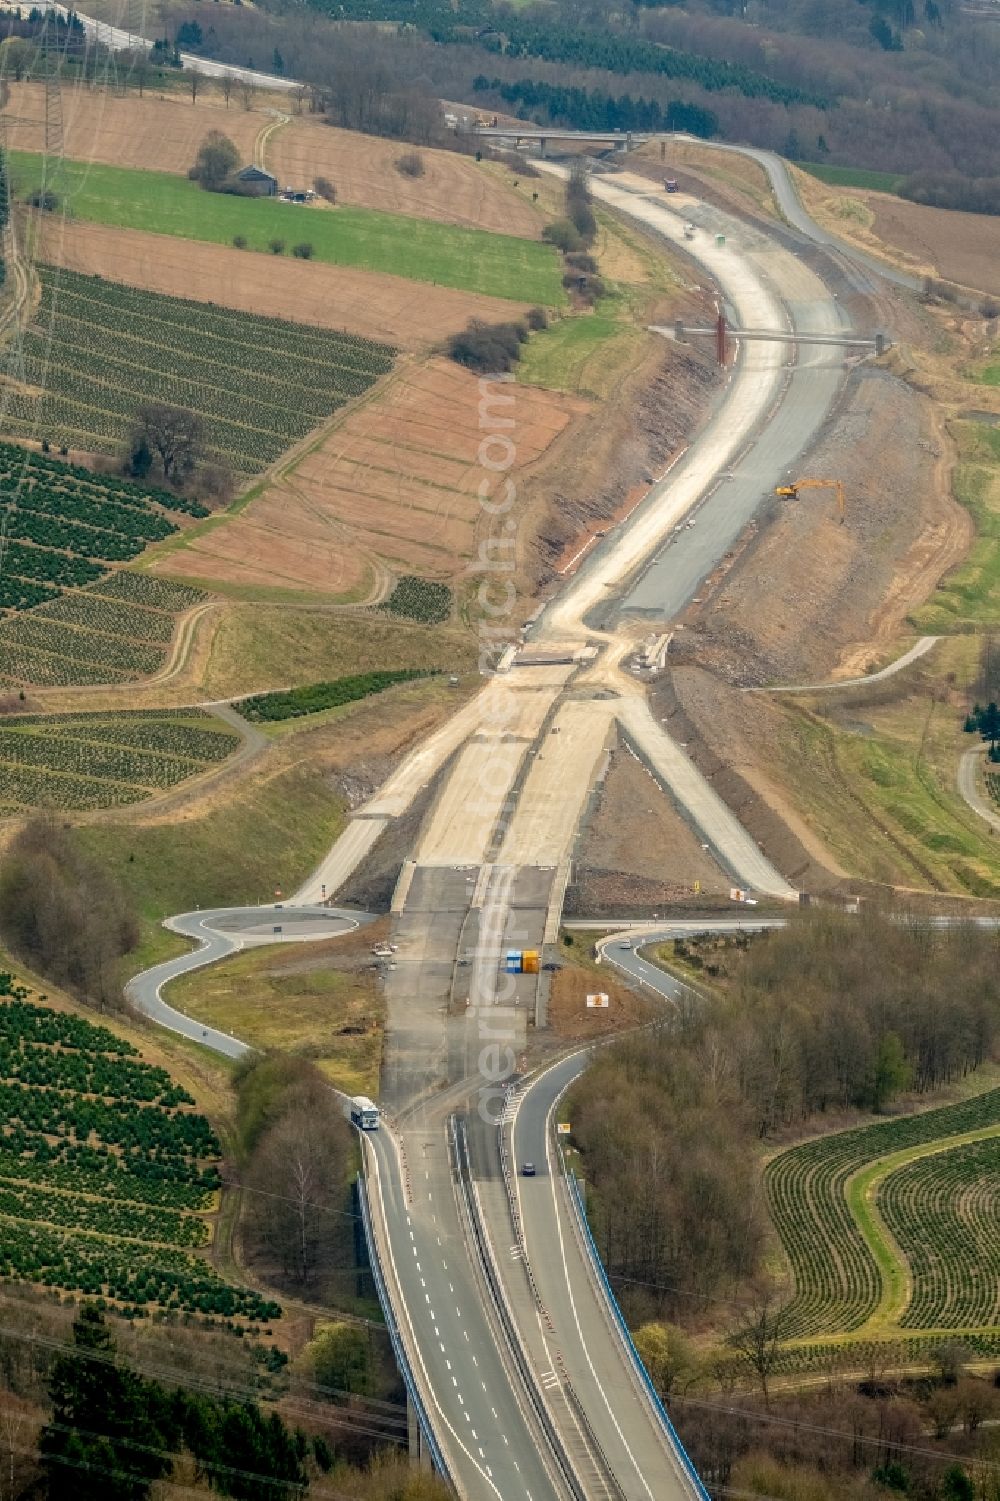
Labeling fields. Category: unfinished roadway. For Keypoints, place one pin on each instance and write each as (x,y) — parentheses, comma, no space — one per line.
(513,1354)
(523,1381)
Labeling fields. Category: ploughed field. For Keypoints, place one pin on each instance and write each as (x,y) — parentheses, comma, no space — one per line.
(96,350)
(164,134)
(890,1231)
(102,760)
(404,477)
(106,1171)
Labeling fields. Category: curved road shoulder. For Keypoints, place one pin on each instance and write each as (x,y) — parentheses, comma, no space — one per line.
(217,934)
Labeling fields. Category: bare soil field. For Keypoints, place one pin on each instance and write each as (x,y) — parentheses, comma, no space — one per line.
(852,584)
(403,313)
(958,247)
(455,189)
(569,1016)
(397,478)
(162,132)
(962,247)
(636,849)
(159,132)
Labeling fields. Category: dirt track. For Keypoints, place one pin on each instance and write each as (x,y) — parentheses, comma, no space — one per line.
(407,314)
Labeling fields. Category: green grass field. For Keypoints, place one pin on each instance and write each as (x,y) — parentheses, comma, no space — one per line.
(854,177)
(420,249)
(587,354)
(303,1002)
(968,598)
(268,838)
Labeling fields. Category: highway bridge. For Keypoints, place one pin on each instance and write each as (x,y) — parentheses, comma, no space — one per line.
(542,136)
(520,1372)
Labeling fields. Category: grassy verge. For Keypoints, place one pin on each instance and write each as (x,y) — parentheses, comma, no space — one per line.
(259,648)
(299,998)
(854,177)
(877,783)
(420,249)
(968,598)
(266,838)
(588,353)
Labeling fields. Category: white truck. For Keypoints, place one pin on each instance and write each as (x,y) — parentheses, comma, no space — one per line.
(364,1113)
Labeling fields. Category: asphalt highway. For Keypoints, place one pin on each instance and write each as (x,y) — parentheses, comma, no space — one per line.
(585,1346)
(481,1400)
(481,1417)
(118,39)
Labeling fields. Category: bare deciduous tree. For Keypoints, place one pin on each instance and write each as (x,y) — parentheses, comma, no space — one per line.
(758,1335)
(297,1175)
(172,434)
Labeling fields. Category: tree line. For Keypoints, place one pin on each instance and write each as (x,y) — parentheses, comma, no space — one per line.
(831,1014)
(953,190)
(296,1151)
(64,915)
(589,109)
(615,52)
(114,1433)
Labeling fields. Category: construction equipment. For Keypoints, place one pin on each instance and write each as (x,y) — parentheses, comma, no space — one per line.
(791,492)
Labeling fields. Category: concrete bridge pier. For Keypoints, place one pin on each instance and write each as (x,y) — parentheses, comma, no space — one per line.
(420,1457)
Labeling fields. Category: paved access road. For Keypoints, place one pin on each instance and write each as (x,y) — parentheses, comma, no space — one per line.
(223,931)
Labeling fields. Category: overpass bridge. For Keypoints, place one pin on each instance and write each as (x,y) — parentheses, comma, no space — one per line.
(621,140)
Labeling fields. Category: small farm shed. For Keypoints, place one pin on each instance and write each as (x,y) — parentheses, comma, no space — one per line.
(258,182)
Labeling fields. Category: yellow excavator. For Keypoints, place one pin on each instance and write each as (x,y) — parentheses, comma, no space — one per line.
(791,492)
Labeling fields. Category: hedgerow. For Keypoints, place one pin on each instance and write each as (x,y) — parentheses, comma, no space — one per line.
(318,696)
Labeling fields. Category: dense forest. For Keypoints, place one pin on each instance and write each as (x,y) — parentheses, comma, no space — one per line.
(895,85)
(831,1015)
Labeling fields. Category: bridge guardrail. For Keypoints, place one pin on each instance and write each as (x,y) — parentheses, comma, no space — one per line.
(396,1339)
(576,1199)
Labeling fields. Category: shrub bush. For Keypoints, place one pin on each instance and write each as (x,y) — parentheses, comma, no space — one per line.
(488,347)
(563,235)
(411,164)
(276,246)
(303,250)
